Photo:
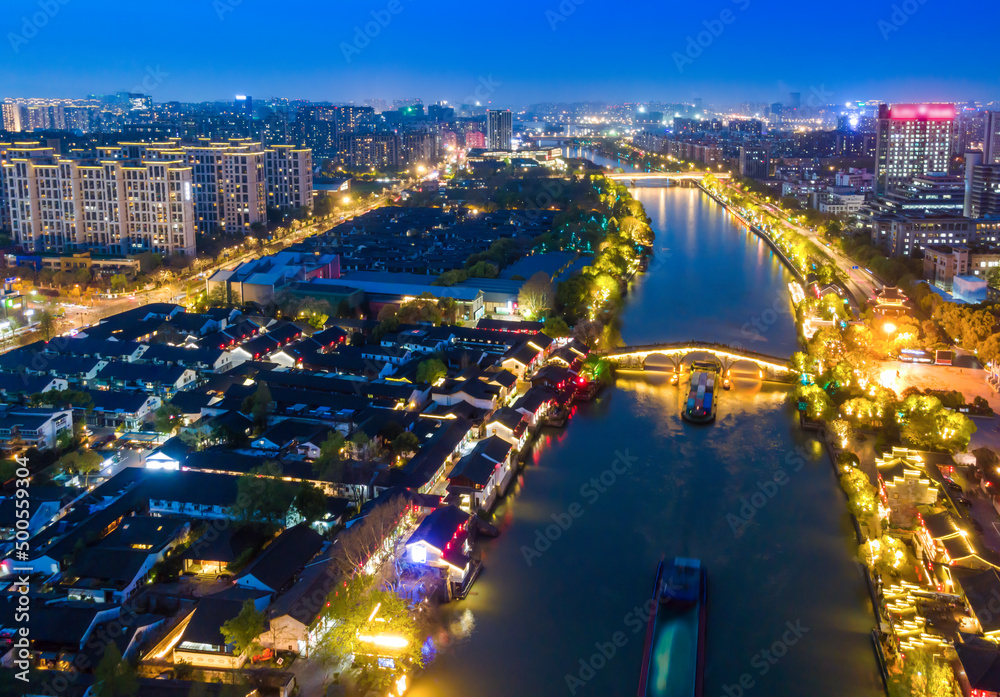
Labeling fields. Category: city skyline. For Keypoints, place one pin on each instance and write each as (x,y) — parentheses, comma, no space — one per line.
(737,51)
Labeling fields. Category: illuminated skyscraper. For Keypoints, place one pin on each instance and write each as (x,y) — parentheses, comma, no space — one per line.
(499,129)
(912,139)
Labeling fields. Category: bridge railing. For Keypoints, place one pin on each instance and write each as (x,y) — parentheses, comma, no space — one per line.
(696,345)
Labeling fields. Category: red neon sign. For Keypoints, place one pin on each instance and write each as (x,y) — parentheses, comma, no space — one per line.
(925,112)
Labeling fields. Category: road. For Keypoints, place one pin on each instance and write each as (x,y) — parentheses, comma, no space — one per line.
(79,316)
(862,284)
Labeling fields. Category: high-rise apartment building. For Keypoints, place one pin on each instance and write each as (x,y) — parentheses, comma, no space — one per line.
(21,115)
(244,106)
(991,138)
(230,181)
(755,161)
(499,129)
(912,139)
(110,206)
(373,150)
(982,190)
(288,171)
(417,147)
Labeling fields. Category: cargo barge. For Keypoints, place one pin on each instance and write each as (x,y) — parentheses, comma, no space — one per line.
(701,401)
(673,663)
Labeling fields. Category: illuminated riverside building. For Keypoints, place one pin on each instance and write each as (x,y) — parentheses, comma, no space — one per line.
(912,140)
(108,206)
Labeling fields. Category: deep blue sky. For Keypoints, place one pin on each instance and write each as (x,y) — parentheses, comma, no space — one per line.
(440,49)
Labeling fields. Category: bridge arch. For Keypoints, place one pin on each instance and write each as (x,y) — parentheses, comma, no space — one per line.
(738,361)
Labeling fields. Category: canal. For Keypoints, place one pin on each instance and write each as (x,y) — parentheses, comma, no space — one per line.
(557,609)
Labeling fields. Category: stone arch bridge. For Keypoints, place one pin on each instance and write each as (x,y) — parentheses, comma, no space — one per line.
(672,356)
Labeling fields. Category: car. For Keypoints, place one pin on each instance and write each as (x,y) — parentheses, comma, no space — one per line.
(962,500)
(224,577)
(957,488)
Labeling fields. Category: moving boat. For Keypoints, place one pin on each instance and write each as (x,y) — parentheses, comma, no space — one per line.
(673,663)
(701,402)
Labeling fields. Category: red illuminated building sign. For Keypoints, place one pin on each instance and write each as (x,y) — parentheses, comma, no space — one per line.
(922,112)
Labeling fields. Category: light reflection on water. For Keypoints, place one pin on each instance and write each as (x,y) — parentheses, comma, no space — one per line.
(530,625)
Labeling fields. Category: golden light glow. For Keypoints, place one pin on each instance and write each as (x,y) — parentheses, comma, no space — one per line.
(389,641)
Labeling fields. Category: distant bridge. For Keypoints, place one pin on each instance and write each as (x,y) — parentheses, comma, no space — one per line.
(769,367)
(658,176)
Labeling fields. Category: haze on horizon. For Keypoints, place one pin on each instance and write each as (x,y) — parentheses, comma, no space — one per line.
(724,51)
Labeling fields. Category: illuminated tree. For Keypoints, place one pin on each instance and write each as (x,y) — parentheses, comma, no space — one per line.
(920,674)
(244,630)
(883,555)
(536,296)
(818,403)
(861,495)
(365,623)
(842,430)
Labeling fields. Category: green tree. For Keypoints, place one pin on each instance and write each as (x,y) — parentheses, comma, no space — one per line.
(884,555)
(244,630)
(431,370)
(361,444)
(448,307)
(483,269)
(310,502)
(536,296)
(329,464)
(259,405)
(114,676)
(556,328)
(450,278)
(46,324)
(62,398)
(989,350)
(262,497)
(818,403)
(405,442)
(167,418)
(861,495)
(993,277)
(356,610)
(119,282)
(920,674)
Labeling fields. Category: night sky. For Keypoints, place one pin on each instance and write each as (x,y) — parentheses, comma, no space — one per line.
(516,52)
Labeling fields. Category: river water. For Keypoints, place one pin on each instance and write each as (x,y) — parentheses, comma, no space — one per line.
(557,609)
